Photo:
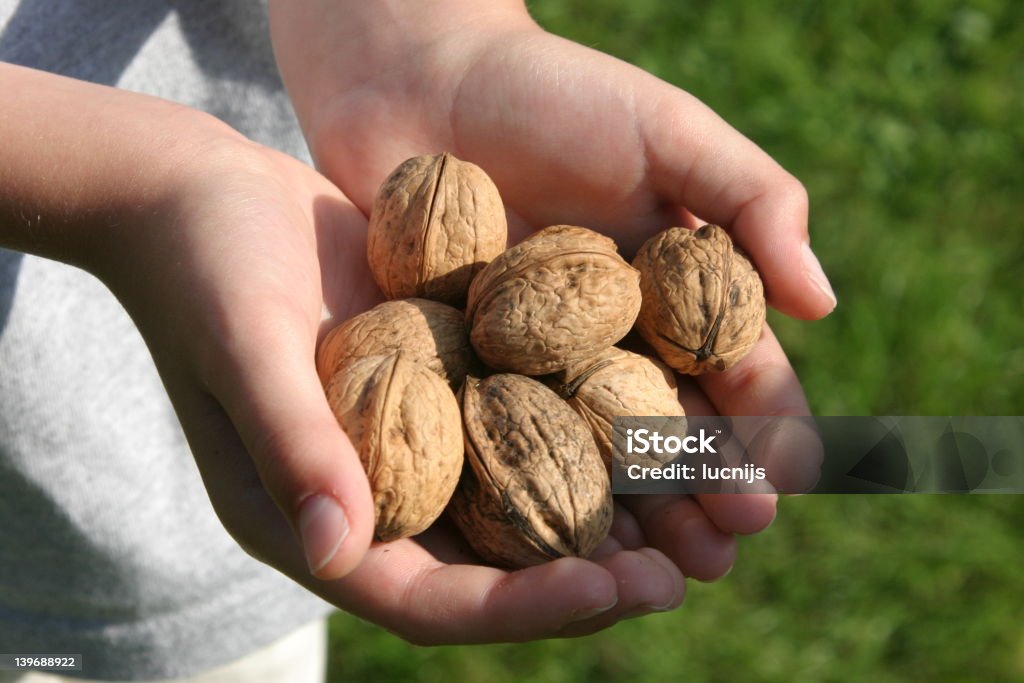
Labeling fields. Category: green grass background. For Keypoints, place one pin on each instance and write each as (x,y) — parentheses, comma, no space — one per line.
(906,123)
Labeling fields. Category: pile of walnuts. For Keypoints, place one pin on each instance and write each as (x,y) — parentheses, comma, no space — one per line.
(488,383)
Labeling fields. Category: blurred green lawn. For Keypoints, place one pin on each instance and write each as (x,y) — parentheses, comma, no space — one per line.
(906,123)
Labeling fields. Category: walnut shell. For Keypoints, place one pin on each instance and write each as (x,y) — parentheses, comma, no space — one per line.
(703,301)
(435,222)
(404,421)
(561,295)
(429,332)
(535,488)
(618,383)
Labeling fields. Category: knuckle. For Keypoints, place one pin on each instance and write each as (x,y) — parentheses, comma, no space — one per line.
(271,449)
(793,193)
(286,462)
(286,477)
(745,379)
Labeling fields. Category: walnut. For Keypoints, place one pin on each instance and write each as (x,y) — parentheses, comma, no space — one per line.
(404,421)
(435,222)
(703,302)
(429,332)
(561,295)
(534,488)
(618,383)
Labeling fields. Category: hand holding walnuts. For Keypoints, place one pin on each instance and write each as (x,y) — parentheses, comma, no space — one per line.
(535,485)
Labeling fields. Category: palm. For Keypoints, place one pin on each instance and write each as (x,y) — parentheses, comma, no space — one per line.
(560,139)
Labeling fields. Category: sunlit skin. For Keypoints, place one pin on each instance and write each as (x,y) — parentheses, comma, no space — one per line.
(569,135)
(226,254)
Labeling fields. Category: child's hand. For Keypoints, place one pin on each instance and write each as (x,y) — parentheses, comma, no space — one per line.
(573,136)
(221,251)
(228,292)
(225,254)
(568,134)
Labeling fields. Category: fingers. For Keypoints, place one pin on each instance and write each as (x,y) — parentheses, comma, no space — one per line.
(426,602)
(745,513)
(268,386)
(703,163)
(739,513)
(764,384)
(678,527)
(625,529)
(405,589)
(402,586)
(647,582)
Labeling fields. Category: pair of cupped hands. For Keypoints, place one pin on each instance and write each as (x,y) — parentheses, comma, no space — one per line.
(253,246)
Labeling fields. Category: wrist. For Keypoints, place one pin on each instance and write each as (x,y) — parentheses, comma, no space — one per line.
(328,48)
(81,162)
(378,32)
(204,171)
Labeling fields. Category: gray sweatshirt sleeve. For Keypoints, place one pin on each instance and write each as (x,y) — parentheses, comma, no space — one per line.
(109,546)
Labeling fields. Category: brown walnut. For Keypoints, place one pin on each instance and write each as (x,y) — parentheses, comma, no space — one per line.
(534,488)
(618,383)
(404,421)
(435,222)
(427,331)
(703,301)
(559,296)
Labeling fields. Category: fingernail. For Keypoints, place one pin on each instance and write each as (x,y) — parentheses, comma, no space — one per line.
(644,610)
(323,526)
(662,608)
(813,269)
(588,613)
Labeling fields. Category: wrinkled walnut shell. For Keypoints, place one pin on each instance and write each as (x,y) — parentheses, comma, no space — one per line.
(427,331)
(703,301)
(534,488)
(618,383)
(560,296)
(435,222)
(404,421)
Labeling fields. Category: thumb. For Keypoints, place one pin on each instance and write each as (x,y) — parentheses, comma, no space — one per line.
(272,395)
(701,162)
